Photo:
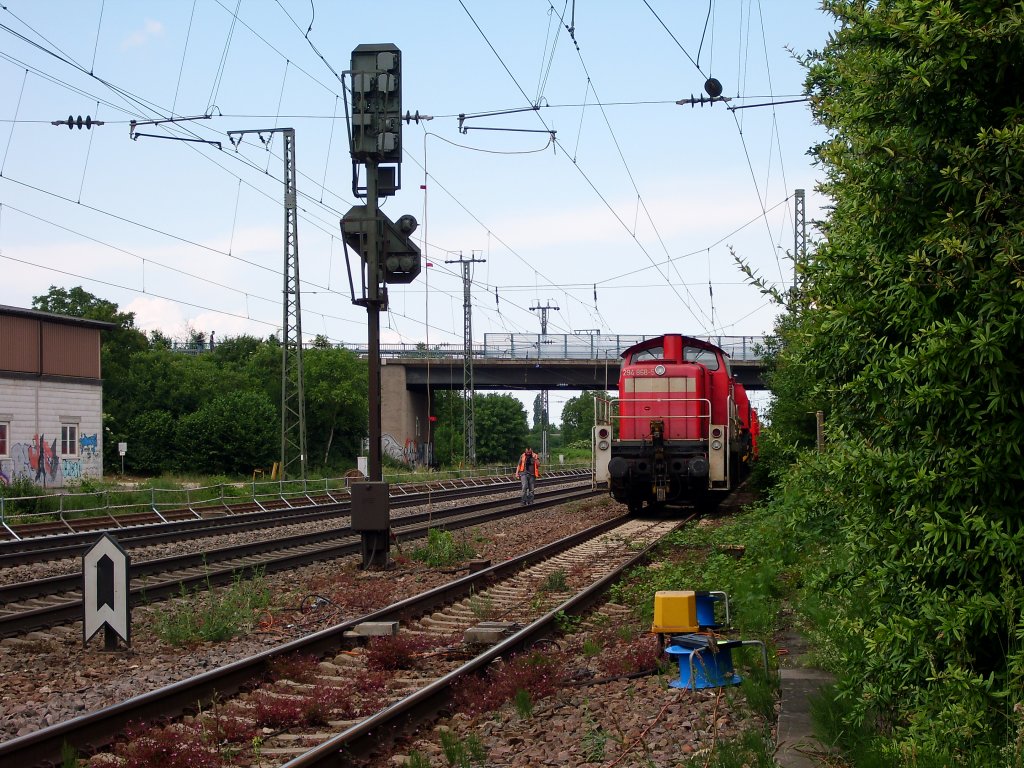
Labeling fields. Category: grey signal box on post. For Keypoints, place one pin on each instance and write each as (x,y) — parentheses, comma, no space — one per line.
(377,103)
(370,507)
(400,260)
(371,516)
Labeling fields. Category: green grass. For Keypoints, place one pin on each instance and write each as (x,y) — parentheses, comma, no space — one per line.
(442,549)
(523,703)
(462,753)
(751,749)
(757,583)
(215,616)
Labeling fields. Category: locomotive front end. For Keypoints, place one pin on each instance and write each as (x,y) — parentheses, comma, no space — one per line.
(673,433)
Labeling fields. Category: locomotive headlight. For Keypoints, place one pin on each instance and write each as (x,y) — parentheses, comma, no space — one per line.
(716,445)
(603,445)
(660,370)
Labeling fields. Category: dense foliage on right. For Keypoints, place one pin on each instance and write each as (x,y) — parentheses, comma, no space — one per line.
(907,330)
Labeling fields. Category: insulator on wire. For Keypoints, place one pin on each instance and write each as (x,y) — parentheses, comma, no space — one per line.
(73,122)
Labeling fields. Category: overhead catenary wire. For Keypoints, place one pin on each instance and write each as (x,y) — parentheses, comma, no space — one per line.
(739,127)
(331,226)
(576,165)
(261,192)
(184,54)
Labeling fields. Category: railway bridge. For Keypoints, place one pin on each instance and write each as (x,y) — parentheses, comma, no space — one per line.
(521,361)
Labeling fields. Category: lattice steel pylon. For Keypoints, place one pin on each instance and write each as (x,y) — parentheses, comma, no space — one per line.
(468,392)
(544,401)
(293,400)
(799,237)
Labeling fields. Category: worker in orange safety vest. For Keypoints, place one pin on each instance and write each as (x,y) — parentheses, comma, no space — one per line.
(528,471)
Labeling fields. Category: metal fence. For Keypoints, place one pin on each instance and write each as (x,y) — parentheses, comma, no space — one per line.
(570,346)
(534,346)
(114,502)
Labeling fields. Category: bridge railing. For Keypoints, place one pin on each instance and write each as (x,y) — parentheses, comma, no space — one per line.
(569,346)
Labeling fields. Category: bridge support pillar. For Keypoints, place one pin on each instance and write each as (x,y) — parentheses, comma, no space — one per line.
(404,418)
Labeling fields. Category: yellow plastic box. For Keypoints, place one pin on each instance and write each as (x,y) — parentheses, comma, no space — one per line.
(675,612)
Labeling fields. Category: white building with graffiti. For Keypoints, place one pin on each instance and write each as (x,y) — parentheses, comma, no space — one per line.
(51,398)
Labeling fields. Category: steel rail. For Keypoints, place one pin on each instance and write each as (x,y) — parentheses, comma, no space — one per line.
(192,570)
(366,737)
(96,730)
(49,548)
(248,510)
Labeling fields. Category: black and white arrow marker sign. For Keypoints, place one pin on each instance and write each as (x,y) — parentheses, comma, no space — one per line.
(105,591)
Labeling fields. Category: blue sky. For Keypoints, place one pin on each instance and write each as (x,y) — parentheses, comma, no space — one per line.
(625,221)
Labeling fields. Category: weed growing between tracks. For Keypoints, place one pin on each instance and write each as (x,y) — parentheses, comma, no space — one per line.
(537,674)
(555,582)
(402,651)
(185,745)
(216,616)
(442,549)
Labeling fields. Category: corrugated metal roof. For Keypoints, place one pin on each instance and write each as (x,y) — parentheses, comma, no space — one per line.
(50,317)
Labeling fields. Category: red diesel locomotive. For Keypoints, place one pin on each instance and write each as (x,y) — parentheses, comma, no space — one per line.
(686,431)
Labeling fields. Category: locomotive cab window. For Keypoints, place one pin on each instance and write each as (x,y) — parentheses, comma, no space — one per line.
(654,353)
(705,357)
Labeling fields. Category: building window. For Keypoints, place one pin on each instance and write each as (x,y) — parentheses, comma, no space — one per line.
(5,429)
(68,439)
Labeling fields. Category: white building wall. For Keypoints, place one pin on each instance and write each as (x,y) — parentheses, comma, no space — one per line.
(35,411)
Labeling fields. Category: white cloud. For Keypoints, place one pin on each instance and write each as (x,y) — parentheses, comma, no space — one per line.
(157,314)
(140,37)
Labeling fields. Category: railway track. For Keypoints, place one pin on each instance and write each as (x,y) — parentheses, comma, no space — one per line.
(148,530)
(79,521)
(42,603)
(593,559)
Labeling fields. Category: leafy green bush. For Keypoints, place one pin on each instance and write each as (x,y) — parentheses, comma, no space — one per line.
(906,332)
(153,447)
(232,433)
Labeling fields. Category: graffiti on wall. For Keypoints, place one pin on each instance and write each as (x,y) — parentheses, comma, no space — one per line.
(392,448)
(43,460)
(88,446)
(71,469)
(40,463)
(411,453)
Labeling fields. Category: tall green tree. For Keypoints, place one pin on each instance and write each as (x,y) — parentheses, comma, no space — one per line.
(447,431)
(578,418)
(911,344)
(234,433)
(336,404)
(501,429)
(538,414)
(162,385)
